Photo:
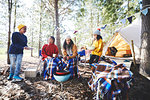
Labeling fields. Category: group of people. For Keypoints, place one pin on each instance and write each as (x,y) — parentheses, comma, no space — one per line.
(68,61)
(50,54)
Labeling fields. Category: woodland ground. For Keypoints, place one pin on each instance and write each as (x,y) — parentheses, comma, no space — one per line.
(75,89)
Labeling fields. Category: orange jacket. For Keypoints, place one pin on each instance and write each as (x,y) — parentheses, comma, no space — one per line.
(74,50)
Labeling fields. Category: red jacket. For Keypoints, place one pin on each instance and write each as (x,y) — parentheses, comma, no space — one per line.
(49,50)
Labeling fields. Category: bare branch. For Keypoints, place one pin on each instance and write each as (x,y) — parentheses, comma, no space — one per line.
(62,11)
(50,10)
(62,19)
(50,3)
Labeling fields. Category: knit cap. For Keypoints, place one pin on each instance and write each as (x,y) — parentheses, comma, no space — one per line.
(20,27)
(68,37)
(98,31)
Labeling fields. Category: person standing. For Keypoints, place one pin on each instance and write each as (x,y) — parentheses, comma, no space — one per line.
(97,45)
(19,43)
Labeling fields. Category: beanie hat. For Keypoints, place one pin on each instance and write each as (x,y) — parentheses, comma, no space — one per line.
(52,38)
(98,31)
(20,27)
(68,37)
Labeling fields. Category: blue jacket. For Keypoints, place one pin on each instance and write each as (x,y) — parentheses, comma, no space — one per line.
(19,41)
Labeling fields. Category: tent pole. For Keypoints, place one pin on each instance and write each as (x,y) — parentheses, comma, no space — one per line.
(134,61)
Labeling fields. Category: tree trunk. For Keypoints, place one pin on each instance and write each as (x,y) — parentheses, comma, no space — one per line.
(32,45)
(57,27)
(53,26)
(128,7)
(91,23)
(40,30)
(9,32)
(145,42)
(15,16)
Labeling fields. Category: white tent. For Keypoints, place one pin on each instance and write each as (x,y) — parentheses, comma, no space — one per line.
(132,32)
(128,33)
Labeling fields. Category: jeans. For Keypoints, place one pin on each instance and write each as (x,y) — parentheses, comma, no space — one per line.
(15,63)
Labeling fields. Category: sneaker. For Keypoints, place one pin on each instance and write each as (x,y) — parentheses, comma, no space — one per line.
(10,77)
(17,79)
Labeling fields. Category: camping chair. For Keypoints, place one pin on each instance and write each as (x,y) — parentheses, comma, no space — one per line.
(81,54)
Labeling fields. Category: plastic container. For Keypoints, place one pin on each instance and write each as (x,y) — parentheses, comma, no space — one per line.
(30,72)
(62,76)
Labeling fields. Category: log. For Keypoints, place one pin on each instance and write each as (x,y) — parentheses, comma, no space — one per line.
(6,70)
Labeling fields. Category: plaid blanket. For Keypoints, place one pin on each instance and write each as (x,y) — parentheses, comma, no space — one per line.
(52,65)
(71,65)
(110,80)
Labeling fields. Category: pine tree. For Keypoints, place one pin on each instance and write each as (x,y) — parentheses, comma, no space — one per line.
(145,43)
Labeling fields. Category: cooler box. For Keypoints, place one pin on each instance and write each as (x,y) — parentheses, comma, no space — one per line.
(30,72)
